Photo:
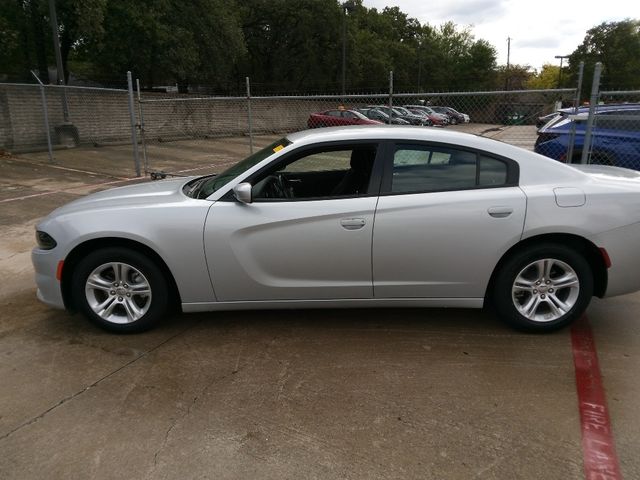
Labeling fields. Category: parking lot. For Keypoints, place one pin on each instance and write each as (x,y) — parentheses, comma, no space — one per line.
(299,394)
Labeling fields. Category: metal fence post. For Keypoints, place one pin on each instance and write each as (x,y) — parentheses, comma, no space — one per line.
(390,97)
(595,87)
(45,113)
(142,134)
(249,116)
(576,106)
(132,116)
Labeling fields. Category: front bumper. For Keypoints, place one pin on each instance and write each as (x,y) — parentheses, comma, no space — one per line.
(45,264)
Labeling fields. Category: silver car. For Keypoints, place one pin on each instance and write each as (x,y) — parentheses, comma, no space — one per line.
(372,216)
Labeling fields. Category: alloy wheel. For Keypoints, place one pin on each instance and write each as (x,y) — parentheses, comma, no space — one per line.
(545,290)
(118,292)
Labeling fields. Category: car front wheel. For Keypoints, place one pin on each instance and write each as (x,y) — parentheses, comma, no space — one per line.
(543,288)
(120,290)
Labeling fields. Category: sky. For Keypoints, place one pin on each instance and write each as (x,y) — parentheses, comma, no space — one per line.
(539,29)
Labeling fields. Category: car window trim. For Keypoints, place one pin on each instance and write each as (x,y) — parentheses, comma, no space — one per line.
(375,181)
(513,168)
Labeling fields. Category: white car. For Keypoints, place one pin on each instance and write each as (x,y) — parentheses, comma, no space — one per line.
(371,216)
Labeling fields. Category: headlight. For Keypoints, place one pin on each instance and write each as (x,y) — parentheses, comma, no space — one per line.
(45,241)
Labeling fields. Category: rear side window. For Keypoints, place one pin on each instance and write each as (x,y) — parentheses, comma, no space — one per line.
(491,172)
(418,168)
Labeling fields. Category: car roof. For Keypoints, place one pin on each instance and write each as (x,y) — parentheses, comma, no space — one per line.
(609,107)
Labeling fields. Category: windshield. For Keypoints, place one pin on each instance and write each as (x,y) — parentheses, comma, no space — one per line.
(214,183)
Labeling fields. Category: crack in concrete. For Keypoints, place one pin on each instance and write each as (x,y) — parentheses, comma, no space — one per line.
(89,387)
(188,412)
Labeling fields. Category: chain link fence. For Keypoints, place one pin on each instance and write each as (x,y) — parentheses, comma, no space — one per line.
(604,133)
(41,117)
(615,136)
(193,120)
(168,129)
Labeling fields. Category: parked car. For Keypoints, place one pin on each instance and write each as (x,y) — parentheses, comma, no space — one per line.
(404,114)
(454,115)
(336,118)
(367,216)
(435,117)
(543,120)
(615,140)
(416,119)
(382,117)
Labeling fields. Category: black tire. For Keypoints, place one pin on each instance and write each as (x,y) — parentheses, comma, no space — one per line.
(505,300)
(140,269)
(454,121)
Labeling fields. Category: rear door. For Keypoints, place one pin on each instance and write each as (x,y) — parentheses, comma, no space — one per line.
(444,218)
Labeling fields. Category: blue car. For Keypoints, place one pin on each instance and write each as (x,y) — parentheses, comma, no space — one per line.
(615,140)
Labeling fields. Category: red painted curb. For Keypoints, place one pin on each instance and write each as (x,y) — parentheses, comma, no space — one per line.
(598,447)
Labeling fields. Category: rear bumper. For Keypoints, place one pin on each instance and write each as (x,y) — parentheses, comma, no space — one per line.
(45,264)
(622,246)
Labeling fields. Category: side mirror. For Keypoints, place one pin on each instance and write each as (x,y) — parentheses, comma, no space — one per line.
(242,192)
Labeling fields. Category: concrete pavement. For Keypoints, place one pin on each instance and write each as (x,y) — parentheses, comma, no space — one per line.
(336,394)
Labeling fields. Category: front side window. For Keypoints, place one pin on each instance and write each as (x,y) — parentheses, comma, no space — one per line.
(326,173)
(419,168)
(213,184)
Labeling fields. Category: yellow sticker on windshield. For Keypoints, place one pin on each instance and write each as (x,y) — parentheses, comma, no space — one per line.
(278,148)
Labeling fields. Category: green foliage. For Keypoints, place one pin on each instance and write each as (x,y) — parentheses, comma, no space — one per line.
(547,77)
(616,45)
(284,45)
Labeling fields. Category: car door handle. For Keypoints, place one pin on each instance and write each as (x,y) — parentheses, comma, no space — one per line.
(500,212)
(352,223)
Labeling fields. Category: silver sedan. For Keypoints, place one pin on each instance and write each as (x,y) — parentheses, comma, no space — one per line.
(373,216)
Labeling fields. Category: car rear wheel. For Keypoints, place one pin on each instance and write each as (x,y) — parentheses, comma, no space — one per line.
(543,288)
(120,290)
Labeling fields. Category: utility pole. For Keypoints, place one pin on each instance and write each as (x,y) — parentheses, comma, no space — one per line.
(506,73)
(53,17)
(561,57)
(346,7)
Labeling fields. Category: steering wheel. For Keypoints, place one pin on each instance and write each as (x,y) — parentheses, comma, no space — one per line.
(277,187)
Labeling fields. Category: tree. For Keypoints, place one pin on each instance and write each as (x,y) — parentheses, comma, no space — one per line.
(295,44)
(616,45)
(168,41)
(548,77)
(23,41)
(80,22)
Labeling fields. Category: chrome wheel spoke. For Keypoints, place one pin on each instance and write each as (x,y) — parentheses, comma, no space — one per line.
(557,306)
(96,282)
(547,266)
(133,311)
(141,289)
(531,306)
(105,309)
(524,284)
(567,280)
(116,272)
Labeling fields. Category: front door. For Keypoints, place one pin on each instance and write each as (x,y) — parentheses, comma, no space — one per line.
(306,235)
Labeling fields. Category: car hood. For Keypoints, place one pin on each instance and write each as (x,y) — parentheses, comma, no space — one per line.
(148,193)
